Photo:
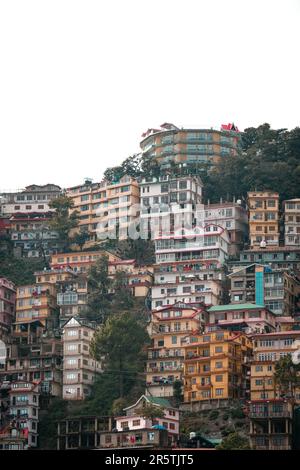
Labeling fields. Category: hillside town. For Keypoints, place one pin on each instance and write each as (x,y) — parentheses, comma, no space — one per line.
(148,286)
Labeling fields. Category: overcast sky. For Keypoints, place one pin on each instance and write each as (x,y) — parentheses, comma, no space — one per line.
(80,81)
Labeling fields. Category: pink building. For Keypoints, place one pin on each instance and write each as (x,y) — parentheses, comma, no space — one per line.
(7,305)
(133,421)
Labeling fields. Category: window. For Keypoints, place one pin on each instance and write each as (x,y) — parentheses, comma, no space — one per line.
(219,392)
(172,426)
(219,378)
(136,422)
(174,339)
(219,349)
(219,365)
(124,424)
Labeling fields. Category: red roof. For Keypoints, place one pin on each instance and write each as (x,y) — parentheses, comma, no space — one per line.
(229,127)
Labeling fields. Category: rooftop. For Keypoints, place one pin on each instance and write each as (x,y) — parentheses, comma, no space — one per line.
(218,308)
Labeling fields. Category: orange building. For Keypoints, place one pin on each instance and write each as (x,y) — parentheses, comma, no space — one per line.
(215,366)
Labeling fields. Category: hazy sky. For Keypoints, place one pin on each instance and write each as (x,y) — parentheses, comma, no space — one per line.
(81,80)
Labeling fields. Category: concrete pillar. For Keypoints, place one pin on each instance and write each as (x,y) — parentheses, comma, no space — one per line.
(58,434)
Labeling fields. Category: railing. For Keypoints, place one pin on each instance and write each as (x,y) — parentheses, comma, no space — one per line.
(285,413)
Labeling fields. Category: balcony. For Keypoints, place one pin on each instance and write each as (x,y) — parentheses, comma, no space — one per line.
(263,414)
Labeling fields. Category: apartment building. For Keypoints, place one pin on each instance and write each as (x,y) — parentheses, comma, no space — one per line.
(291,208)
(139,278)
(80,261)
(32,235)
(169,202)
(233,217)
(287,257)
(133,421)
(248,318)
(105,206)
(277,289)
(36,302)
(189,268)
(35,358)
(267,350)
(33,198)
(271,424)
(169,329)
(79,368)
(263,218)
(19,431)
(7,306)
(169,144)
(216,366)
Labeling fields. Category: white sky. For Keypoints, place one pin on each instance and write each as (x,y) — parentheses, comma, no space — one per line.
(81,80)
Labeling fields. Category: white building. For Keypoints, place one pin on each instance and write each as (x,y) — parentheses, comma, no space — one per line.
(79,368)
(292,222)
(33,198)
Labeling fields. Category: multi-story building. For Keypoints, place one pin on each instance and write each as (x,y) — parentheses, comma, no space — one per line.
(271,424)
(83,432)
(233,217)
(292,222)
(139,278)
(267,350)
(134,421)
(263,218)
(169,144)
(169,329)
(7,306)
(287,257)
(35,358)
(215,367)
(36,302)
(249,318)
(20,429)
(104,206)
(169,203)
(32,234)
(80,262)
(33,198)
(182,258)
(80,369)
(277,289)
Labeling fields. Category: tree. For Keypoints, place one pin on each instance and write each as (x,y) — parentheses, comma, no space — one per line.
(234,441)
(120,346)
(80,238)
(140,250)
(177,392)
(63,220)
(99,286)
(150,411)
(122,298)
(287,377)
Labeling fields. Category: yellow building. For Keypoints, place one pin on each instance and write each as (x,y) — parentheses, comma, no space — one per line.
(215,366)
(263,218)
(36,302)
(267,350)
(80,261)
(140,278)
(104,205)
(169,330)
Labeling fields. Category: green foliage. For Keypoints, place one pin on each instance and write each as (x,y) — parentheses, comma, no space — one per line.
(122,298)
(140,250)
(237,413)
(47,424)
(287,377)
(99,285)
(270,159)
(20,270)
(213,415)
(234,441)
(63,222)
(225,417)
(150,411)
(80,238)
(131,166)
(120,346)
(177,392)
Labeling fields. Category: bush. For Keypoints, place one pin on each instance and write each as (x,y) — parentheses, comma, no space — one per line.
(225,417)
(234,441)
(214,414)
(240,424)
(237,413)
(228,430)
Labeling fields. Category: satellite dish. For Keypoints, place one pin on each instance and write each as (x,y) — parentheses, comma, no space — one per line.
(239,201)
(263,244)
(296,357)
